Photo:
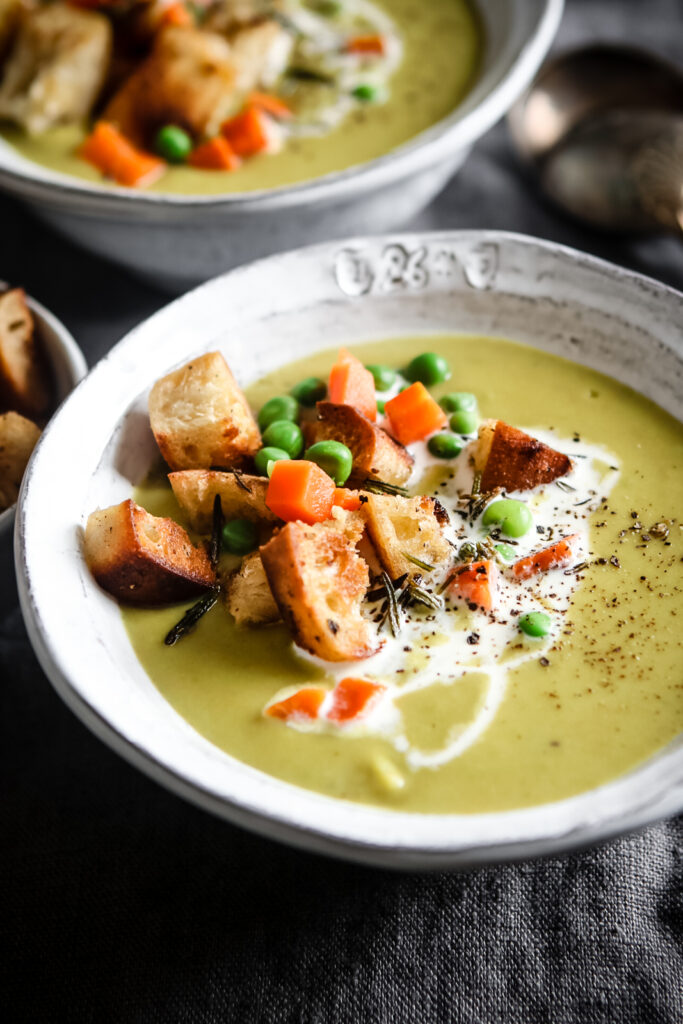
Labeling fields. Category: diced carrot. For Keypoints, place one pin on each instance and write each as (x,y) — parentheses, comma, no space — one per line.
(305,703)
(372,45)
(352,697)
(413,414)
(300,490)
(555,556)
(176,14)
(112,153)
(477,583)
(347,499)
(250,132)
(351,384)
(271,104)
(215,155)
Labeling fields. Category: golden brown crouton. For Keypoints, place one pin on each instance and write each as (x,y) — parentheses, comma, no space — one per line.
(351,524)
(24,383)
(56,67)
(200,418)
(262,53)
(18,438)
(507,457)
(318,581)
(190,79)
(196,489)
(144,559)
(414,526)
(248,595)
(375,454)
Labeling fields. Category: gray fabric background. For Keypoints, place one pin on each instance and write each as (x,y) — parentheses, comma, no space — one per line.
(123,904)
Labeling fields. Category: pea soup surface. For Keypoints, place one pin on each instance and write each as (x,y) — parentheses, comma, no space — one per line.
(539,719)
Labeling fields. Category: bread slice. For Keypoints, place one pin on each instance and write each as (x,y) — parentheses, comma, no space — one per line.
(144,559)
(200,417)
(56,67)
(18,438)
(24,381)
(318,581)
(507,457)
(407,526)
(196,489)
(248,596)
(375,454)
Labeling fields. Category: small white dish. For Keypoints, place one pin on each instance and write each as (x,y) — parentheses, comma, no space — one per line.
(260,317)
(177,241)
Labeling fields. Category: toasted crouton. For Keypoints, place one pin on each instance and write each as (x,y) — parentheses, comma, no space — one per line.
(406,526)
(375,454)
(200,418)
(262,53)
(24,383)
(248,595)
(351,524)
(318,581)
(243,498)
(144,559)
(507,457)
(56,67)
(18,438)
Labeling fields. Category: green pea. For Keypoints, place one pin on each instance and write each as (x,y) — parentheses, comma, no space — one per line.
(428,368)
(283,407)
(513,517)
(173,143)
(384,376)
(380,406)
(240,536)
(463,422)
(309,391)
(365,92)
(334,457)
(285,435)
(444,446)
(459,401)
(535,624)
(266,456)
(506,552)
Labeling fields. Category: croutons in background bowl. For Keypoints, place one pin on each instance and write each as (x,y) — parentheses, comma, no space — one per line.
(261,317)
(177,241)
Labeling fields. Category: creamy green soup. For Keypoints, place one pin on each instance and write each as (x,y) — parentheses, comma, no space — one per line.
(442,45)
(605,694)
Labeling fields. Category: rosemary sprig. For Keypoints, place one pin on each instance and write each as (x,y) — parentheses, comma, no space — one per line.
(476,483)
(418,562)
(216,530)
(564,486)
(576,568)
(239,480)
(418,593)
(309,75)
(382,487)
(191,617)
(392,604)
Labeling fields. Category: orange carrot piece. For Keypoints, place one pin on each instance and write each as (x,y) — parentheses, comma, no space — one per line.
(413,414)
(215,155)
(305,703)
(477,583)
(373,45)
(249,133)
(351,384)
(112,154)
(300,490)
(352,698)
(347,499)
(555,556)
(178,15)
(270,104)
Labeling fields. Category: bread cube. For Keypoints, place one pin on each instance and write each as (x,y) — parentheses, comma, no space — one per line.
(507,457)
(407,526)
(24,382)
(18,438)
(375,454)
(196,489)
(248,596)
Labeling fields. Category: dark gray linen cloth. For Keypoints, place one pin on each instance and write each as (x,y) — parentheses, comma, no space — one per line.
(120,903)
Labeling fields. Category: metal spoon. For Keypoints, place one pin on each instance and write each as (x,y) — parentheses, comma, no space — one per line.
(603,126)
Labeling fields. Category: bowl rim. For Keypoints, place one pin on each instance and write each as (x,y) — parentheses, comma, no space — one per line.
(271,807)
(74,363)
(452,133)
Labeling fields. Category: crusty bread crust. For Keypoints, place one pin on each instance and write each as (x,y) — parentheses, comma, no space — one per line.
(18,438)
(406,525)
(144,559)
(507,457)
(318,581)
(200,417)
(375,454)
(248,596)
(196,489)
(24,381)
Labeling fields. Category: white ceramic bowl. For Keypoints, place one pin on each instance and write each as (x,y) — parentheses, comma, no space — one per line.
(262,316)
(177,241)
